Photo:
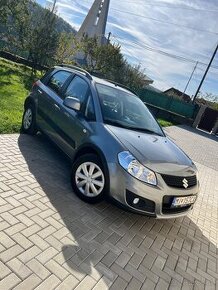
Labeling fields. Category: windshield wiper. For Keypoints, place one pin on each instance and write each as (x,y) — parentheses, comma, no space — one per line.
(115,123)
(146,130)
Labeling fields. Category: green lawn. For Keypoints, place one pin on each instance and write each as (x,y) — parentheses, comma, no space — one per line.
(15,83)
(165,123)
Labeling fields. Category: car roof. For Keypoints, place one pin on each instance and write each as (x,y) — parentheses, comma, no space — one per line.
(97,79)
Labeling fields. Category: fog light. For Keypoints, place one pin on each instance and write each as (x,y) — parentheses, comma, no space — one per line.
(135,200)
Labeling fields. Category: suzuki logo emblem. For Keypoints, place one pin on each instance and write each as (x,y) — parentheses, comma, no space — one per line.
(185,183)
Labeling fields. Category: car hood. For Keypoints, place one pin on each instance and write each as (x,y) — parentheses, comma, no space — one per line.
(158,153)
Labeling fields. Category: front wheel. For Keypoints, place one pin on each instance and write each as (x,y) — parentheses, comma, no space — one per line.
(29,120)
(88,179)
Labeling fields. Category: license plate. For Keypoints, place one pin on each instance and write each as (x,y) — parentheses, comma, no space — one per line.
(183,201)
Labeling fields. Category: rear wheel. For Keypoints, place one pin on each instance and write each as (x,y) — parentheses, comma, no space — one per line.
(29,120)
(88,179)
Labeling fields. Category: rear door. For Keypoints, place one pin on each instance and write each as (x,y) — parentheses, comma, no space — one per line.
(50,95)
(74,125)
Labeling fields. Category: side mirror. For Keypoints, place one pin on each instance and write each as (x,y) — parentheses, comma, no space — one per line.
(72,103)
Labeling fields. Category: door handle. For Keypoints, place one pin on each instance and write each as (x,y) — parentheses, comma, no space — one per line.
(67,114)
(39,91)
(57,107)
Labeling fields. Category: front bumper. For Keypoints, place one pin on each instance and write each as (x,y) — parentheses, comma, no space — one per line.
(155,200)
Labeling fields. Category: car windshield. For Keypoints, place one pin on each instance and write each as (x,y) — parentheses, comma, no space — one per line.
(123,109)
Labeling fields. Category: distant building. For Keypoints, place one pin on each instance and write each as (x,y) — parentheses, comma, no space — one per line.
(172,92)
(148,82)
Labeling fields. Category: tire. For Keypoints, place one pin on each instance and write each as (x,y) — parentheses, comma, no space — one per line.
(29,120)
(97,187)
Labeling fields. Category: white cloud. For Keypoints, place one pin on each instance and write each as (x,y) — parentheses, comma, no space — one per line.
(134,33)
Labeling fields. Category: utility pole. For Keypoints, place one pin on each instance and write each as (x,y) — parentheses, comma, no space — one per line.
(190,77)
(108,38)
(53,6)
(205,74)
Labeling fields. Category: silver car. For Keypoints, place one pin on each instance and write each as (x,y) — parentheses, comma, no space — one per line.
(116,146)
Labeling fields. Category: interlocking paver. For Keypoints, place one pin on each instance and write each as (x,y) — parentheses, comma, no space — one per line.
(20,269)
(86,284)
(49,283)
(119,284)
(69,283)
(4,270)
(36,267)
(134,284)
(9,282)
(29,283)
(49,239)
(10,253)
(5,240)
(46,255)
(103,284)
(29,254)
(56,269)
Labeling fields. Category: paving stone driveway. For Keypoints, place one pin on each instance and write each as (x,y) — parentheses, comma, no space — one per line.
(49,239)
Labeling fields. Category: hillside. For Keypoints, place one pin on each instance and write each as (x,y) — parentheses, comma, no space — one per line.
(61,24)
(37,12)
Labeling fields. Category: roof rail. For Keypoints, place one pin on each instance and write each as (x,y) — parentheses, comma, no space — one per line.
(78,69)
(122,86)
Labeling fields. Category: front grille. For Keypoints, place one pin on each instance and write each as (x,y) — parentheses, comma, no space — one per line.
(167,209)
(143,204)
(180,181)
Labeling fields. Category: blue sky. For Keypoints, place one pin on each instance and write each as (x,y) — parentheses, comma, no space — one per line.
(136,34)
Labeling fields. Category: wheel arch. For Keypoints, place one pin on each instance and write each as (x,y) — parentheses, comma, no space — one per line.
(93,149)
(28,101)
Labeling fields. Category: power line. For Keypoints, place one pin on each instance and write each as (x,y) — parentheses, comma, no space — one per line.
(163,21)
(154,4)
(166,83)
(178,57)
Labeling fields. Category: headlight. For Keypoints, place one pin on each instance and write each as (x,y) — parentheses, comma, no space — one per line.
(136,169)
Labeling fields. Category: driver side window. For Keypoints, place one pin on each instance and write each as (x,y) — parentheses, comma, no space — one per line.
(78,88)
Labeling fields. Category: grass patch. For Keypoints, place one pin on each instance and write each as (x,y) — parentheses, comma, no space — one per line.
(15,83)
(165,123)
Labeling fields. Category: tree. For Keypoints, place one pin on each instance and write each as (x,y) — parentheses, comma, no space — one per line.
(108,61)
(132,76)
(208,99)
(43,39)
(101,58)
(67,48)
(15,19)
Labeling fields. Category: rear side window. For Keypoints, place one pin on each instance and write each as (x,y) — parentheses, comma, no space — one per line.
(45,78)
(57,81)
(78,88)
